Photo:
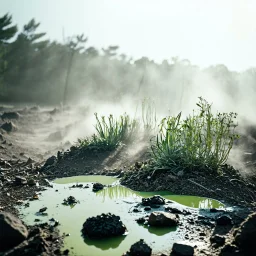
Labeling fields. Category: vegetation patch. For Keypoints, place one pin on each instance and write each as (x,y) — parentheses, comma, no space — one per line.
(110,133)
(203,140)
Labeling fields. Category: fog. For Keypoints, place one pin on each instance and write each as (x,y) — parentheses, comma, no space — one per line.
(77,76)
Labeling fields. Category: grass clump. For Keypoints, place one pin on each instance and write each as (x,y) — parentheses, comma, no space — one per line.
(201,141)
(110,132)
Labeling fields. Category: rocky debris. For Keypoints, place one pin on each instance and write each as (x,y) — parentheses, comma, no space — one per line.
(224,220)
(97,186)
(218,240)
(77,186)
(140,248)
(42,239)
(12,231)
(103,226)
(163,219)
(9,127)
(173,210)
(153,201)
(180,249)
(70,201)
(10,115)
(50,161)
(141,220)
(20,180)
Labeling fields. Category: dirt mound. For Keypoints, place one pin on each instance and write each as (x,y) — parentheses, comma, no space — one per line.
(102,226)
(140,248)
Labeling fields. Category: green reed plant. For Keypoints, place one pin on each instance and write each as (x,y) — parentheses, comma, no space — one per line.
(110,132)
(148,115)
(202,140)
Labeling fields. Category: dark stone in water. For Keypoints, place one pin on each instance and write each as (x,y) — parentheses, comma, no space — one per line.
(70,200)
(152,201)
(141,220)
(173,210)
(163,219)
(140,248)
(43,209)
(97,187)
(147,208)
(103,226)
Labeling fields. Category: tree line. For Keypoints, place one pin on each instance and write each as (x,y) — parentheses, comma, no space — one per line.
(36,70)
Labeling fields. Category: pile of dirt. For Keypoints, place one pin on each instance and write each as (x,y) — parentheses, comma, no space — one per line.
(229,187)
(19,181)
(103,226)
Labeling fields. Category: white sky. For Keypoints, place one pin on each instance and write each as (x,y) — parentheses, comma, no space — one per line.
(207,32)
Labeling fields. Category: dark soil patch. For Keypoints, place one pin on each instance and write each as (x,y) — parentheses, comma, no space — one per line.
(230,187)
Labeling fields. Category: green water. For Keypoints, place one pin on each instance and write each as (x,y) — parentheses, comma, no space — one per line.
(117,200)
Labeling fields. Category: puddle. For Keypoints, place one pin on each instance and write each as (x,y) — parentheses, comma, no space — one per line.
(117,200)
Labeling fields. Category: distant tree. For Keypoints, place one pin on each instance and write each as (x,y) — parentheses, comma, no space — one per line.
(110,51)
(75,45)
(7,32)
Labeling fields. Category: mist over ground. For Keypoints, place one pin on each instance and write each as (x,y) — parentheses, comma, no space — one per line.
(36,71)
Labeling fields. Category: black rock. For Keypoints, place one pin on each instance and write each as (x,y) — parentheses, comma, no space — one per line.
(103,226)
(173,210)
(152,201)
(180,249)
(147,208)
(70,201)
(140,248)
(141,220)
(43,209)
(224,220)
(97,186)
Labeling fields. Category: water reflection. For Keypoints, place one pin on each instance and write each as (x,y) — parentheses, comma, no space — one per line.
(106,243)
(116,192)
(160,231)
(120,192)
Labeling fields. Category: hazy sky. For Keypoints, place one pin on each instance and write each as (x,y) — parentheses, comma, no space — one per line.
(206,32)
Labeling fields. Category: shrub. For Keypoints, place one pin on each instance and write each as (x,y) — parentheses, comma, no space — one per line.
(202,140)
